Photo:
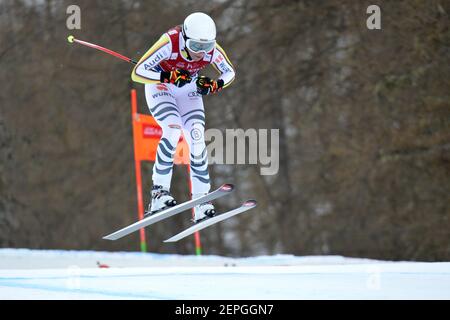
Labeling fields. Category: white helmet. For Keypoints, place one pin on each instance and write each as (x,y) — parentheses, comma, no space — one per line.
(199,32)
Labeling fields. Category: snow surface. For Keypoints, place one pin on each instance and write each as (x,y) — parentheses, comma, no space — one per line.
(54,274)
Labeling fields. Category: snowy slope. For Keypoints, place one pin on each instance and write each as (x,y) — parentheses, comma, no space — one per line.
(34,274)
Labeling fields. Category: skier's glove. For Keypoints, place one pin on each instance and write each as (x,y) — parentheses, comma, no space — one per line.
(177,77)
(207,86)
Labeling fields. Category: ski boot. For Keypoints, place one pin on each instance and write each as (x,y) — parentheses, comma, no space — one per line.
(161,200)
(203,211)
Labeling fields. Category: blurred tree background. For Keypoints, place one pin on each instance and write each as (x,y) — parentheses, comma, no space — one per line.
(364,121)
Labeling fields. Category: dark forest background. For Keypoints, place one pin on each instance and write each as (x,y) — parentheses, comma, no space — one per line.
(364,119)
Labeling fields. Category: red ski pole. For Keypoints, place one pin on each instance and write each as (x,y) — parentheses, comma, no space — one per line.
(72,39)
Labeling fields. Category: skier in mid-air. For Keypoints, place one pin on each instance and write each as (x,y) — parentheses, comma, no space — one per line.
(174,90)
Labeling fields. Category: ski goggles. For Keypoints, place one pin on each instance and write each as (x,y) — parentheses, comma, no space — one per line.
(200,46)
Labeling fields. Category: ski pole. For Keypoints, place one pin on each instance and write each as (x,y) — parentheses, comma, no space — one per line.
(72,39)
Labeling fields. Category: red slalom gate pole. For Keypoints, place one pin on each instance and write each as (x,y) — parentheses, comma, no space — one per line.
(198,245)
(137,164)
(143,242)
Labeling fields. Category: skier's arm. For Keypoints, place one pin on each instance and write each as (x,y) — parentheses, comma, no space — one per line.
(144,71)
(223,65)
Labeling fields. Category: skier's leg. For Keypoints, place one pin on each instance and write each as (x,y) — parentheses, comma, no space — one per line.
(193,119)
(163,107)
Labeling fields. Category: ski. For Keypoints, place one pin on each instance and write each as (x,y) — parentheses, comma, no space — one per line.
(167,213)
(247,205)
